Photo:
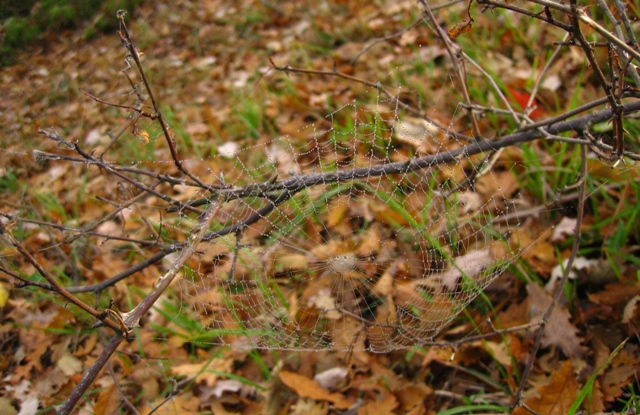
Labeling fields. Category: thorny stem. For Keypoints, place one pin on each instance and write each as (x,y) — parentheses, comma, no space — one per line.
(631,69)
(582,16)
(296,183)
(565,277)
(525,12)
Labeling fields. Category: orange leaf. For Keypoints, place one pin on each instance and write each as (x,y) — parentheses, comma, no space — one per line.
(461,27)
(557,396)
(309,388)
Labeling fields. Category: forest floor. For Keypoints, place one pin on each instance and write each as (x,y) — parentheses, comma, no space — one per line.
(212,65)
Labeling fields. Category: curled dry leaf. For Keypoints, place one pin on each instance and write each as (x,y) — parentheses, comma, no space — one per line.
(460,28)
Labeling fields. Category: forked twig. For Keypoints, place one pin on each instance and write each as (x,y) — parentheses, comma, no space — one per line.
(458,65)
(133,53)
(132,318)
(58,287)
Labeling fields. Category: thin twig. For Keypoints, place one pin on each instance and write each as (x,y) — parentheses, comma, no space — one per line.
(582,16)
(42,155)
(132,121)
(565,277)
(25,282)
(82,231)
(133,53)
(106,166)
(543,72)
(496,88)
(58,287)
(631,69)
(126,107)
(175,390)
(458,64)
(123,398)
(512,7)
(614,101)
(401,32)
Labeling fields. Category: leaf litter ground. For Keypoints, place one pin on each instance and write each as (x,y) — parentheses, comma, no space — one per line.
(210,62)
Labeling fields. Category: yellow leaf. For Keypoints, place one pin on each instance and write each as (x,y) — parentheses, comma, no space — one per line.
(144,135)
(4,295)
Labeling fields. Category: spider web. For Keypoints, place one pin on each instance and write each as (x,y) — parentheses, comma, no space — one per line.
(374,262)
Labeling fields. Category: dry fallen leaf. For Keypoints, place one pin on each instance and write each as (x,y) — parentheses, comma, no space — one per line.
(306,406)
(411,396)
(555,397)
(564,229)
(4,295)
(460,28)
(6,407)
(630,310)
(332,378)
(559,331)
(143,134)
(309,388)
(108,401)
(204,370)
(624,368)
(384,406)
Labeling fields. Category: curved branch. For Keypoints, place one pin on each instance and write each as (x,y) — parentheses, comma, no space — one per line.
(293,185)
